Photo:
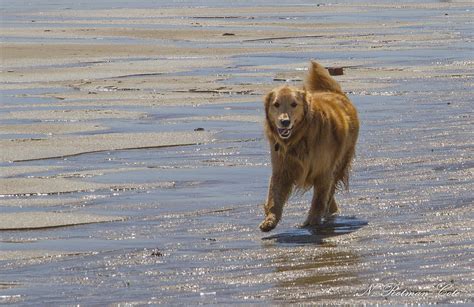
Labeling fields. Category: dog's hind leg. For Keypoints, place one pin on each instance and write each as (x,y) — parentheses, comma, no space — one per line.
(278,192)
(333,207)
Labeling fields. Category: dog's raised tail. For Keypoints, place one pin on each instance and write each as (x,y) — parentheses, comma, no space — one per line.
(319,80)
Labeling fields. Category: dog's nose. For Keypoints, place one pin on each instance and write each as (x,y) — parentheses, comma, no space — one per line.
(285,122)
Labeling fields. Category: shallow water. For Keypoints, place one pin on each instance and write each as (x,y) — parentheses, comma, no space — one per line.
(189,232)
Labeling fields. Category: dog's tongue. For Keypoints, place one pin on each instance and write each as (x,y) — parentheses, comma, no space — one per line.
(283,131)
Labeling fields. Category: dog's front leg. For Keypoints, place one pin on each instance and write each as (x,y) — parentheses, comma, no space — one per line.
(320,204)
(278,192)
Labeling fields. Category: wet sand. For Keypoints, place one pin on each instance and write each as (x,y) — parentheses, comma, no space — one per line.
(133,164)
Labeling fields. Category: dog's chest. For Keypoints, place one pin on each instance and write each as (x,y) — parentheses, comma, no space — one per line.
(302,164)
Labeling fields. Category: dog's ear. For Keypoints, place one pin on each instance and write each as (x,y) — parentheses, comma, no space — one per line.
(302,95)
(268,100)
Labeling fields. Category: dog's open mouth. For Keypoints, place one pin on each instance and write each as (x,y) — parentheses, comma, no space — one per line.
(284,132)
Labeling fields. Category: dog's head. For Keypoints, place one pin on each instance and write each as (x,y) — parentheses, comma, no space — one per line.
(285,108)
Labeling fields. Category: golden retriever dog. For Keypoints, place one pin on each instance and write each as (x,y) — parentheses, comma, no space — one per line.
(312,134)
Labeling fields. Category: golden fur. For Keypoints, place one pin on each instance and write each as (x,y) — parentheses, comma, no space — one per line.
(312,134)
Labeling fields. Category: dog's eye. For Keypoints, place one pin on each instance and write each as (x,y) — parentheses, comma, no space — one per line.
(294,104)
(276,104)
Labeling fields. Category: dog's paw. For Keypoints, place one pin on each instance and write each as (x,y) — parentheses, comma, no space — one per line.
(268,224)
(313,221)
(304,225)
